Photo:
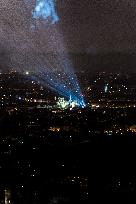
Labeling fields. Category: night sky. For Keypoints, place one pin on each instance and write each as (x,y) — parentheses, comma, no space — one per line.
(90,27)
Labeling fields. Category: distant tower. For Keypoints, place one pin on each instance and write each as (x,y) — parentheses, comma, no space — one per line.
(70,100)
(106,88)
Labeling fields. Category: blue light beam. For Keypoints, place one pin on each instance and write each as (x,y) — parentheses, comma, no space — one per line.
(59,88)
(67,86)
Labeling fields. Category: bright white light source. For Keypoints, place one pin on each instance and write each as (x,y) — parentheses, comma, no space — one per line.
(27,73)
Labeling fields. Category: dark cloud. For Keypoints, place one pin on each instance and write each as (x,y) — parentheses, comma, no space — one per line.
(101,25)
(85,26)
